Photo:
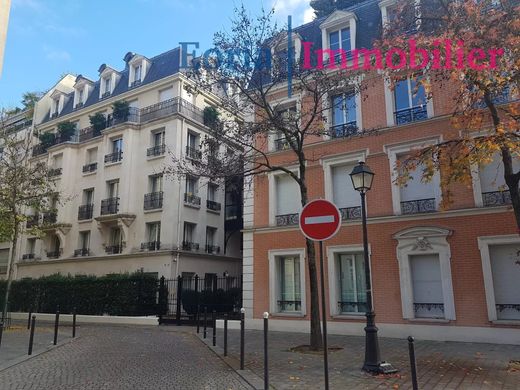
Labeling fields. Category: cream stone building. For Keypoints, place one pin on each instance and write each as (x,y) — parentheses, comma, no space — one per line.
(118,212)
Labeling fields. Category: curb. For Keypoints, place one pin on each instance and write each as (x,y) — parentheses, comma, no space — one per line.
(249,376)
(24,358)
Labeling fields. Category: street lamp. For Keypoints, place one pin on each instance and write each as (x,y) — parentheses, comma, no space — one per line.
(362,178)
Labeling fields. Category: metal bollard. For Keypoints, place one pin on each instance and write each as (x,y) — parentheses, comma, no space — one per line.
(29,319)
(74,323)
(214,320)
(413,365)
(205,321)
(56,324)
(31,336)
(1,331)
(197,319)
(242,334)
(266,347)
(225,333)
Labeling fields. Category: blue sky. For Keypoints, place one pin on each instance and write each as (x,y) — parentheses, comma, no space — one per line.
(47,38)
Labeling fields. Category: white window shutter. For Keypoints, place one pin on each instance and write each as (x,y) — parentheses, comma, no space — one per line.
(288,198)
(344,194)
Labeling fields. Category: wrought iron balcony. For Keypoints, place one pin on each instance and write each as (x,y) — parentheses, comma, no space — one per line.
(28,256)
(109,206)
(190,246)
(171,106)
(212,249)
(135,83)
(409,115)
(191,199)
(32,221)
(151,246)
(81,252)
(157,150)
(344,130)
(89,168)
(193,153)
(348,213)
(212,205)
(88,133)
(352,307)
(106,94)
(54,254)
(38,150)
(433,310)
(289,306)
(132,117)
(153,200)
(114,157)
(113,249)
(50,218)
(419,206)
(287,219)
(53,172)
(507,306)
(282,144)
(3,269)
(85,212)
(496,198)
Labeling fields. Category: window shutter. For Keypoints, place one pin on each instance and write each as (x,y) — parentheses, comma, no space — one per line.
(344,194)
(506,274)
(166,94)
(415,189)
(287,195)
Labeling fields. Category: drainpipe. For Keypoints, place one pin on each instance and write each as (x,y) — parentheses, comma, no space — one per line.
(178,257)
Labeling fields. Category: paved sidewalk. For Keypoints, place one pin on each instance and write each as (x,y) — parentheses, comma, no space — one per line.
(441,365)
(15,340)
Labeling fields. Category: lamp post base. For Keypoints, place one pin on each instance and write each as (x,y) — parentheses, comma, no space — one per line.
(373,363)
(380,368)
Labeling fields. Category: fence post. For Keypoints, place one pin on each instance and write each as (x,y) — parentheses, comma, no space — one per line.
(197,315)
(161,299)
(197,319)
(179,298)
(266,353)
(242,324)
(56,324)
(31,336)
(205,321)
(73,322)
(29,319)
(225,333)
(413,366)
(214,327)
(1,331)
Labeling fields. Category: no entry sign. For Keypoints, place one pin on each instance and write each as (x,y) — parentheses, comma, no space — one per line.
(320,220)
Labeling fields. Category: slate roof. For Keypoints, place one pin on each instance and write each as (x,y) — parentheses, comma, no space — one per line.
(162,65)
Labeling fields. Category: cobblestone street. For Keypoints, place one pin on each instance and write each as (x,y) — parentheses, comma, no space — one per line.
(123,357)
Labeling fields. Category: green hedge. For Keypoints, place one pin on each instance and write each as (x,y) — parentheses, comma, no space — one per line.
(220,300)
(116,294)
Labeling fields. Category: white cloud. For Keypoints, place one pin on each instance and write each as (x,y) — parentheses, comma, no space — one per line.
(299,9)
(308,15)
(56,54)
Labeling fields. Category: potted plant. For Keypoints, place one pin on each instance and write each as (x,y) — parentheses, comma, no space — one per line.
(46,140)
(98,121)
(66,130)
(120,110)
(211,115)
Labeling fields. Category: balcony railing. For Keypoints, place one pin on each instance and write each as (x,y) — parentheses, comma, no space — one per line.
(172,106)
(344,130)
(352,307)
(153,200)
(282,144)
(212,249)
(193,153)
(190,246)
(157,150)
(507,306)
(114,157)
(38,150)
(109,206)
(212,205)
(89,168)
(81,252)
(85,212)
(413,114)
(287,219)
(151,246)
(106,94)
(78,106)
(28,256)
(428,310)
(50,218)
(32,221)
(135,83)
(348,213)
(132,117)
(53,172)
(418,206)
(289,306)
(113,249)
(191,199)
(54,254)
(496,198)
(88,133)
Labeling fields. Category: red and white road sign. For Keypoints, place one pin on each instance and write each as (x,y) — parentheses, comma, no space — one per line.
(320,220)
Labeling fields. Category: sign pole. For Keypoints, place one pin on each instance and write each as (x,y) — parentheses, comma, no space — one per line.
(324,316)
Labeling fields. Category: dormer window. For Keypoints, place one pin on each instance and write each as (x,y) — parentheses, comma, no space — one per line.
(107,87)
(55,110)
(138,66)
(339,34)
(82,88)
(137,73)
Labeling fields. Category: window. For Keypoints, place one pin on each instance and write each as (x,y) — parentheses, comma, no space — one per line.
(166,94)
(505,269)
(4,260)
(409,102)
(343,115)
(86,209)
(84,240)
(193,146)
(287,200)
(153,235)
(211,234)
(189,237)
(155,183)
(417,196)
(428,301)
(351,283)
(493,189)
(115,242)
(212,192)
(30,248)
(343,193)
(54,251)
(158,138)
(88,196)
(91,156)
(113,188)
(340,39)
(287,115)
(289,282)
(190,196)
(107,82)
(80,101)
(117,145)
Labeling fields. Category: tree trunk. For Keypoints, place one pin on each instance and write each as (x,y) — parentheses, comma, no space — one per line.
(511,180)
(10,265)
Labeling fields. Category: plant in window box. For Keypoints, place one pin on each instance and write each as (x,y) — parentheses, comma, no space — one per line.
(98,121)
(66,130)
(121,110)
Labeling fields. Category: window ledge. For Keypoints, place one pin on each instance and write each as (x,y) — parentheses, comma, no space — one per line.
(293,315)
(193,206)
(84,220)
(113,163)
(433,320)
(348,317)
(506,322)
(150,158)
(159,210)
(89,173)
(213,211)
